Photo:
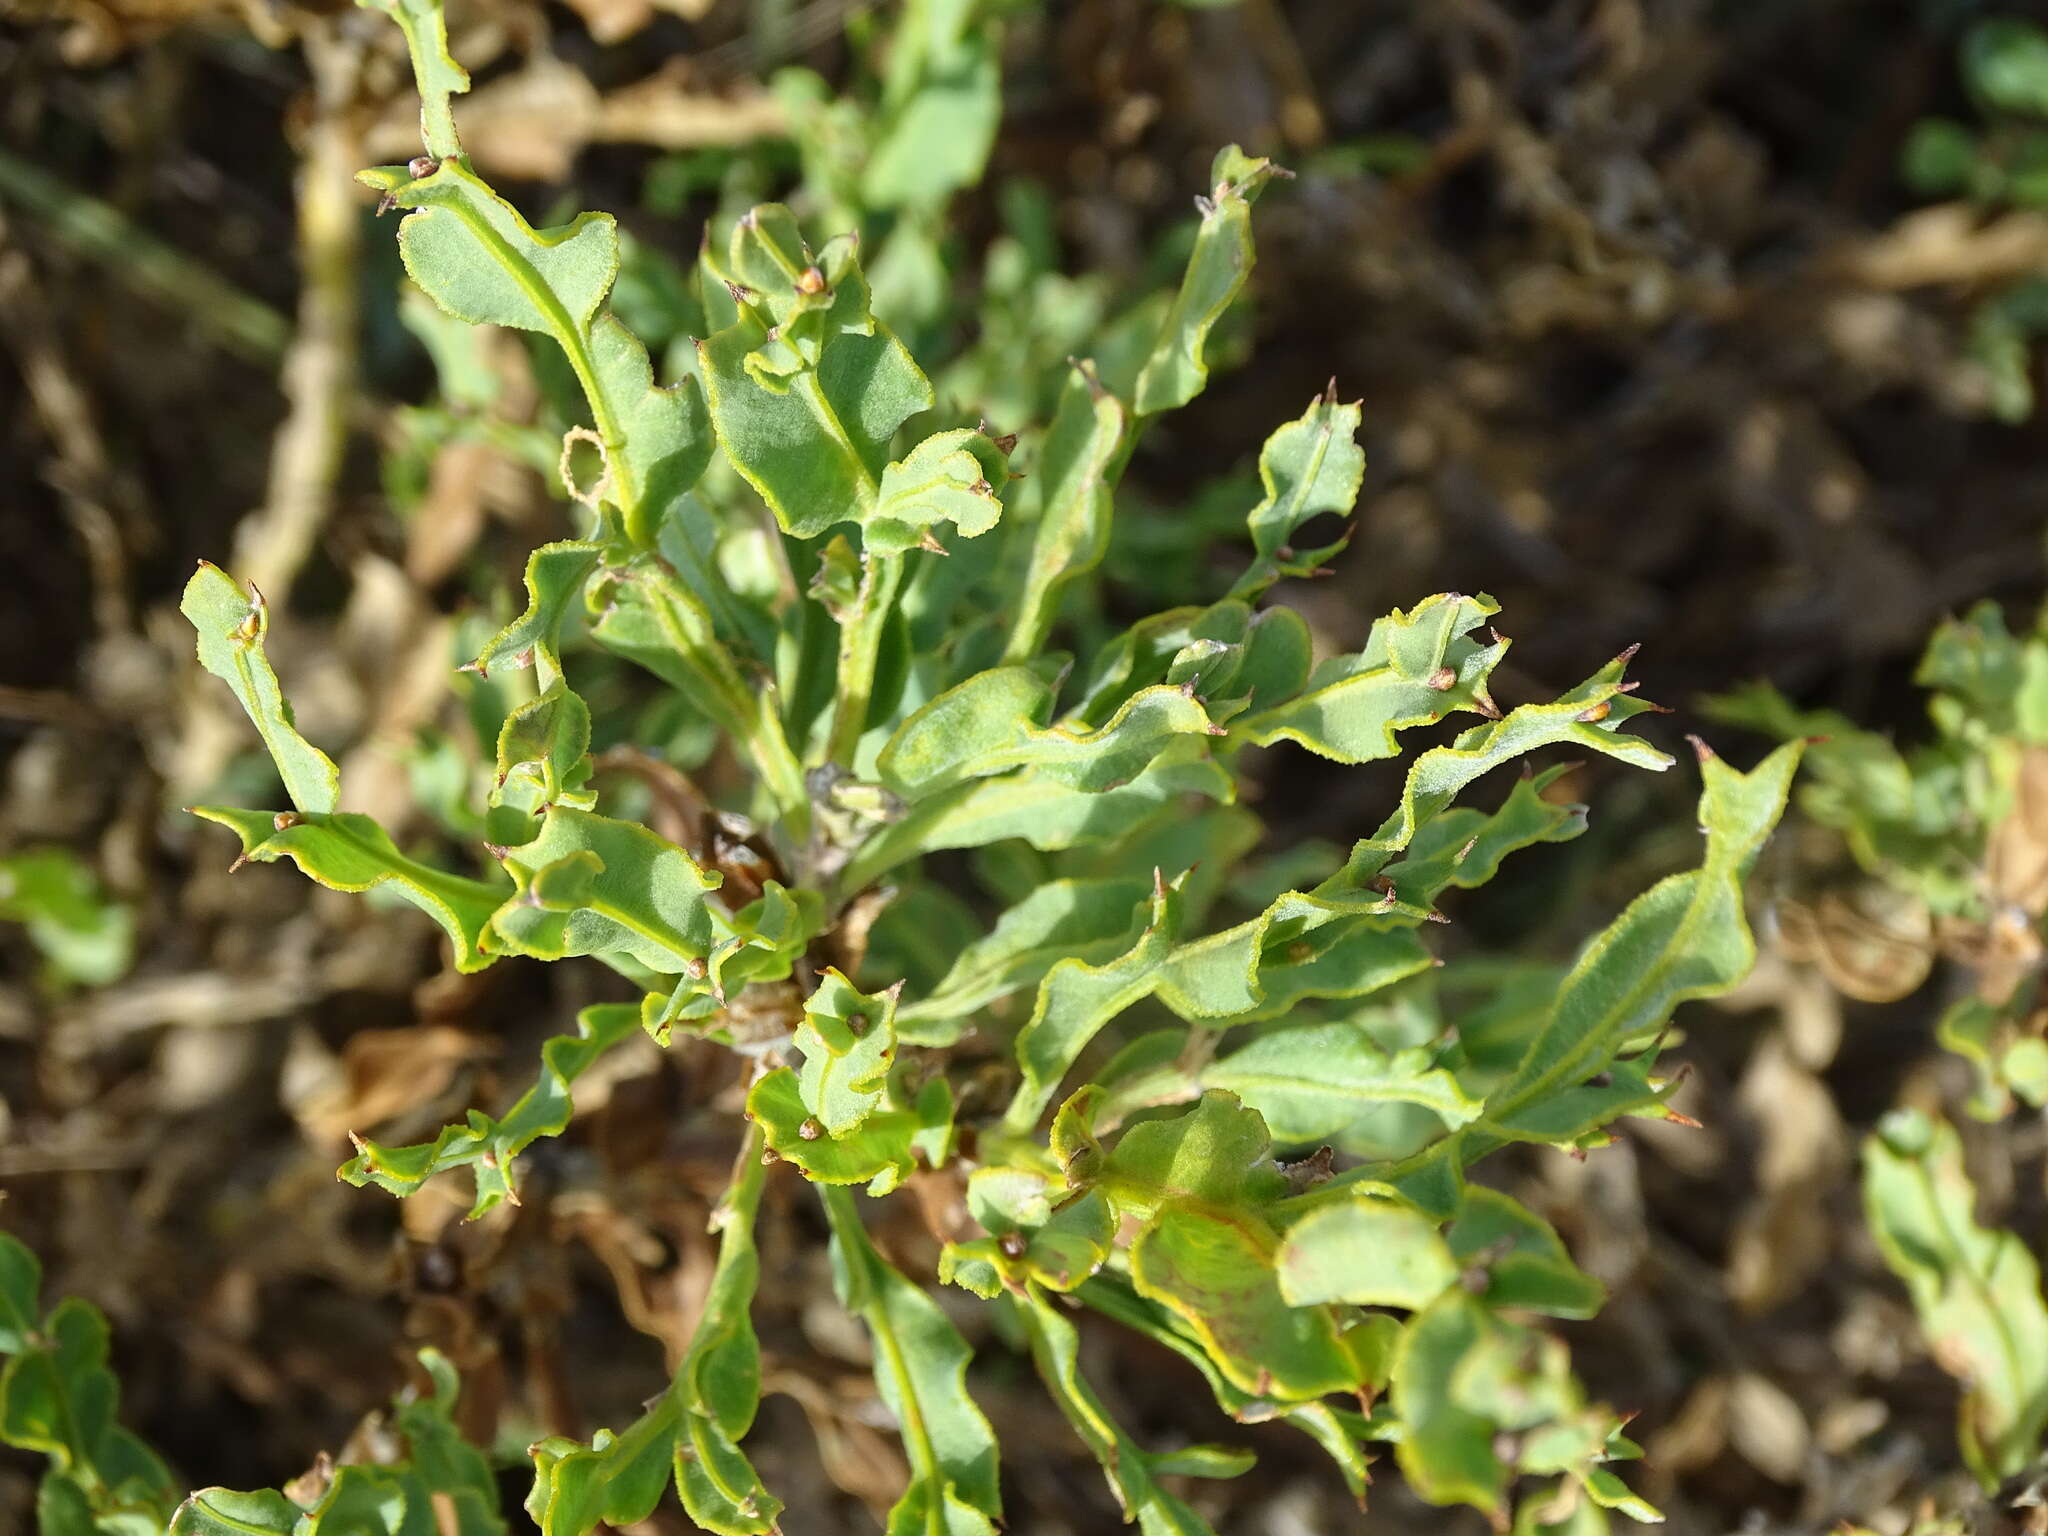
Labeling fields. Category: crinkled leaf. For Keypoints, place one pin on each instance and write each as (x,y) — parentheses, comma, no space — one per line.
(1686,937)
(988,725)
(1076,999)
(350,852)
(478,258)
(1066,504)
(590,885)
(231,625)
(1045,813)
(951,477)
(806,388)
(1178,366)
(544,753)
(877,1152)
(487,1145)
(848,1041)
(1521,1257)
(1309,467)
(719,1380)
(435,71)
(1369,1250)
(1216,1269)
(1309,1081)
(555,578)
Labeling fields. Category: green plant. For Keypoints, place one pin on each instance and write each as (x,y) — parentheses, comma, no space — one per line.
(856,598)
(2002,162)
(1952,837)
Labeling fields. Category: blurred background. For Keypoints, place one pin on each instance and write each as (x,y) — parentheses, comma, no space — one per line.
(1705,325)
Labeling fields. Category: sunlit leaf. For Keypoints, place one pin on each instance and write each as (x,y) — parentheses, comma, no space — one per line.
(231,624)
(347,851)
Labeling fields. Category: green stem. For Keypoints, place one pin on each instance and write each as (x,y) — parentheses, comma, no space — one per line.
(860,643)
(865,1298)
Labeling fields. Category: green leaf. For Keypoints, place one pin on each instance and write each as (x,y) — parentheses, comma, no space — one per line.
(1309,467)
(478,258)
(1066,504)
(1978,1291)
(1416,668)
(1521,1257)
(1330,1428)
(1088,920)
(1045,813)
(1177,368)
(487,1145)
(1055,1350)
(617,1479)
(1368,1250)
(1685,938)
(1310,1081)
(346,851)
(544,753)
(58,1398)
(1076,999)
(445,1468)
(1447,1453)
(85,937)
(1586,717)
(806,388)
(719,1380)
(231,625)
(2005,60)
(555,578)
(941,101)
(921,1372)
(224,1512)
(655,621)
(848,1041)
(1030,1239)
(590,885)
(1215,1268)
(951,477)
(989,725)
(435,71)
(877,1152)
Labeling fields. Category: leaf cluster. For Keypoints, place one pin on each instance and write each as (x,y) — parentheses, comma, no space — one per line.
(1235,1105)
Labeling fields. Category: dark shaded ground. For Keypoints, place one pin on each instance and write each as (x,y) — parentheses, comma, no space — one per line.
(1652,348)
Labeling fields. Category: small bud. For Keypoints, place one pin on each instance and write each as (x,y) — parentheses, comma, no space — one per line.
(419,167)
(811,1129)
(1595,712)
(810,281)
(1300,952)
(285,820)
(1007,443)
(857,1023)
(1443,679)
(1013,1244)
